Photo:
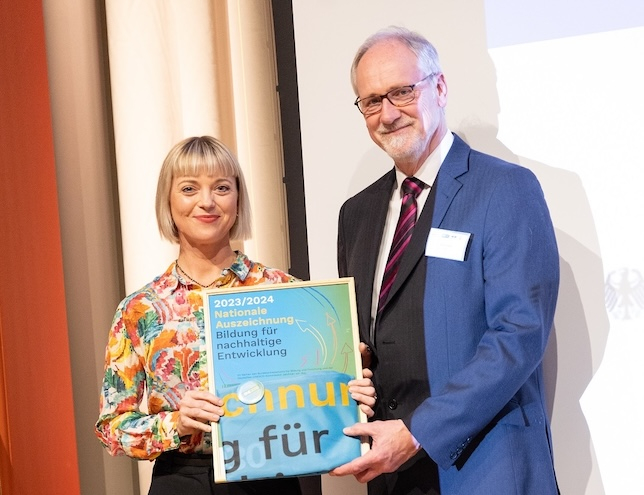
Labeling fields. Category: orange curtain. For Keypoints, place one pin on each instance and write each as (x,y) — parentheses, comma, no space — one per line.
(37,436)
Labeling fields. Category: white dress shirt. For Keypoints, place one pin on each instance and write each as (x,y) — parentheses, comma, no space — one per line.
(427,173)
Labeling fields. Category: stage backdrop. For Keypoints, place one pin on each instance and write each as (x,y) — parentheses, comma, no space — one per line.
(556,87)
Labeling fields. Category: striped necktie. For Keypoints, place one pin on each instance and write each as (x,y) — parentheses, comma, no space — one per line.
(411,188)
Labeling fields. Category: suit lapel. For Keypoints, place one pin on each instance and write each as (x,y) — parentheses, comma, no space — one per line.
(456,164)
(371,228)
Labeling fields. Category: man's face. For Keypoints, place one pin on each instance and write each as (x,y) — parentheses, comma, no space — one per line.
(408,134)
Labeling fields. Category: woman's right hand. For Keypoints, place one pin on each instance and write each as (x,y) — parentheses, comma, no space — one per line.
(197,409)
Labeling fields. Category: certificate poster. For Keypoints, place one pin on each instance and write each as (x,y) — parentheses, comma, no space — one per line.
(280,357)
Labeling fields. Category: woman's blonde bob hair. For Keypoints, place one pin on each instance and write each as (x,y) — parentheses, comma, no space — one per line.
(191,157)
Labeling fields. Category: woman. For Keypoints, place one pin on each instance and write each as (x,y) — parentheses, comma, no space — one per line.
(157,344)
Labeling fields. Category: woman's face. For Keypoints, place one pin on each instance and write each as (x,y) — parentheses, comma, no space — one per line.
(204,209)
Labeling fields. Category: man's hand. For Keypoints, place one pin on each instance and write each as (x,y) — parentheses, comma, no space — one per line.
(393,444)
(366,354)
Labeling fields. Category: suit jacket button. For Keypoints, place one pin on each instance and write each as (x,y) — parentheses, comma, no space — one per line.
(392,404)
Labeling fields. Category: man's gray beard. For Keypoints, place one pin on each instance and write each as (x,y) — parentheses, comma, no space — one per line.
(399,149)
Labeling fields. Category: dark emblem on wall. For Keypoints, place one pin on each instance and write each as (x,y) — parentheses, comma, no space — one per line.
(624,293)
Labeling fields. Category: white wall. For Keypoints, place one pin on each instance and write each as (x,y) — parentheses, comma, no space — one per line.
(556,88)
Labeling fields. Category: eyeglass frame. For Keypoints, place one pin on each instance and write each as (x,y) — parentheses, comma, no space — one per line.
(386,95)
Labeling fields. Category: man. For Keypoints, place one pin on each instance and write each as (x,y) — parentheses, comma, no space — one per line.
(458,336)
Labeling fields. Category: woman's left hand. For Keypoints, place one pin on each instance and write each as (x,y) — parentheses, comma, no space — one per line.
(364,392)
(197,409)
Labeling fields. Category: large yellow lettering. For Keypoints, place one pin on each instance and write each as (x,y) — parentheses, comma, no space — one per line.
(330,395)
(230,412)
(299,396)
(266,401)
(233,407)
(344,393)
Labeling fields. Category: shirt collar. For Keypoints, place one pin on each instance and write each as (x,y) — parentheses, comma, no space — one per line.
(240,267)
(429,169)
(167,283)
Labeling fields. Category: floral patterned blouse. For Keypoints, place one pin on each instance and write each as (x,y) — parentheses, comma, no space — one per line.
(156,352)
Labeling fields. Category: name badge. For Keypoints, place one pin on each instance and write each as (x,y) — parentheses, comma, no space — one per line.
(447,244)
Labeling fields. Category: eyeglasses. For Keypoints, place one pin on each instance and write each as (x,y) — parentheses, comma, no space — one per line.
(398,97)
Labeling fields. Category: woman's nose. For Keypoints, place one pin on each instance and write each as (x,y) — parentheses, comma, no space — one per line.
(207,198)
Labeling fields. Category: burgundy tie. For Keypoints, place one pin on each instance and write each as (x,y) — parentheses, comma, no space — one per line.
(411,188)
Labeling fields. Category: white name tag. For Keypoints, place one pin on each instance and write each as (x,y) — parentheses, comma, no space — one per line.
(447,244)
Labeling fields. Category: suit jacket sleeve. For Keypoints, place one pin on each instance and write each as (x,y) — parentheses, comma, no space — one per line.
(487,319)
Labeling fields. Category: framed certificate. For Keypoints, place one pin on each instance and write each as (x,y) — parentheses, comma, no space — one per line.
(280,357)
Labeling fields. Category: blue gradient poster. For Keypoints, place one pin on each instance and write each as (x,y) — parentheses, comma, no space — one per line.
(280,357)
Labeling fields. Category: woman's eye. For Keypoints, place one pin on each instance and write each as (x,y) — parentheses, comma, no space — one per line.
(222,188)
(187,189)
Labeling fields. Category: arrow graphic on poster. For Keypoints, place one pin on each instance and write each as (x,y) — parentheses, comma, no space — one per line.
(346,352)
(330,321)
(305,327)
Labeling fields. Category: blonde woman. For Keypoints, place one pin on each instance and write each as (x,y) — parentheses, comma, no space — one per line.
(157,341)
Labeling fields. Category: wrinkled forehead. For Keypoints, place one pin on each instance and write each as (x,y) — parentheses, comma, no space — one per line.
(386,65)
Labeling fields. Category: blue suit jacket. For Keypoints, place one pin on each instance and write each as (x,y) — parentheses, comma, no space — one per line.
(482,331)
